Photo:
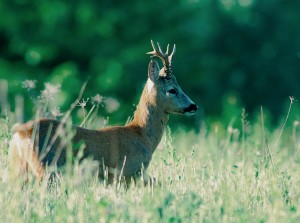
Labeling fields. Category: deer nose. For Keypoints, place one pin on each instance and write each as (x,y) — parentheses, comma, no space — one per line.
(191,109)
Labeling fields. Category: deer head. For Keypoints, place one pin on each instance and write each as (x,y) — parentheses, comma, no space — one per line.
(162,83)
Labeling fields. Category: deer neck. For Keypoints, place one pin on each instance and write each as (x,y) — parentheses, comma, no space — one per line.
(150,118)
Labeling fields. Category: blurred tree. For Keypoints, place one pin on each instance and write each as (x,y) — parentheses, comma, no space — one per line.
(247,47)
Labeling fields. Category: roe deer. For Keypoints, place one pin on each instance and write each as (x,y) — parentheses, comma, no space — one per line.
(123,151)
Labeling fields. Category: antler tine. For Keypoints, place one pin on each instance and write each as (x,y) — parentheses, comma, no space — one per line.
(155,52)
(159,48)
(167,52)
(158,53)
(173,52)
(154,48)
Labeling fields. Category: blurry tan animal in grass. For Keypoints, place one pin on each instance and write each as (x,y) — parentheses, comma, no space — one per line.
(122,150)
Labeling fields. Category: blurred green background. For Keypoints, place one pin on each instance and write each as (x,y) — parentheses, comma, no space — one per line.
(241,53)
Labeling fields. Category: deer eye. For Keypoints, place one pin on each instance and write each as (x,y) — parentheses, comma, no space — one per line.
(172,91)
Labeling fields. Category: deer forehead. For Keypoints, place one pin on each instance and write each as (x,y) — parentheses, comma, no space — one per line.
(162,83)
(168,81)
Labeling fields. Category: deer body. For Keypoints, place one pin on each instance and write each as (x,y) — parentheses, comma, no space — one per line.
(125,150)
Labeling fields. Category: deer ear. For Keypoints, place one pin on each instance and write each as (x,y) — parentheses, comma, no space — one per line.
(153,70)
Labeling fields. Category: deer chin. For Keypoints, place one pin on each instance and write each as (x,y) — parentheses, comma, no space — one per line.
(190,113)
(181,112)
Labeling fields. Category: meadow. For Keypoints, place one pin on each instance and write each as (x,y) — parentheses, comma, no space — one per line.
(241,171)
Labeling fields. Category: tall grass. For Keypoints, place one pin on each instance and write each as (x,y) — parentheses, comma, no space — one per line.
(222,174)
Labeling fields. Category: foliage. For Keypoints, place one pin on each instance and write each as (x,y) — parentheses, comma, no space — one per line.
(243,47)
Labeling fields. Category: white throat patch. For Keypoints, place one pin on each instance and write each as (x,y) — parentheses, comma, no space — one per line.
(150,85)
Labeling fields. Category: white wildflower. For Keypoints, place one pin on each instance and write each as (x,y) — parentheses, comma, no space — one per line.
(83,102)
(50,91)
(29,84)
(97,99)
(111,104)
(55,112)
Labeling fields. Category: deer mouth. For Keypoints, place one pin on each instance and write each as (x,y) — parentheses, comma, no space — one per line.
(190,110)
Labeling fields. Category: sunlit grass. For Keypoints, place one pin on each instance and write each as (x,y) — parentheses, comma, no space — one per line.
(203,178)
(221,174)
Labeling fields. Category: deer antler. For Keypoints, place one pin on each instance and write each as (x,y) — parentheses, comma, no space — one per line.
(165,57)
